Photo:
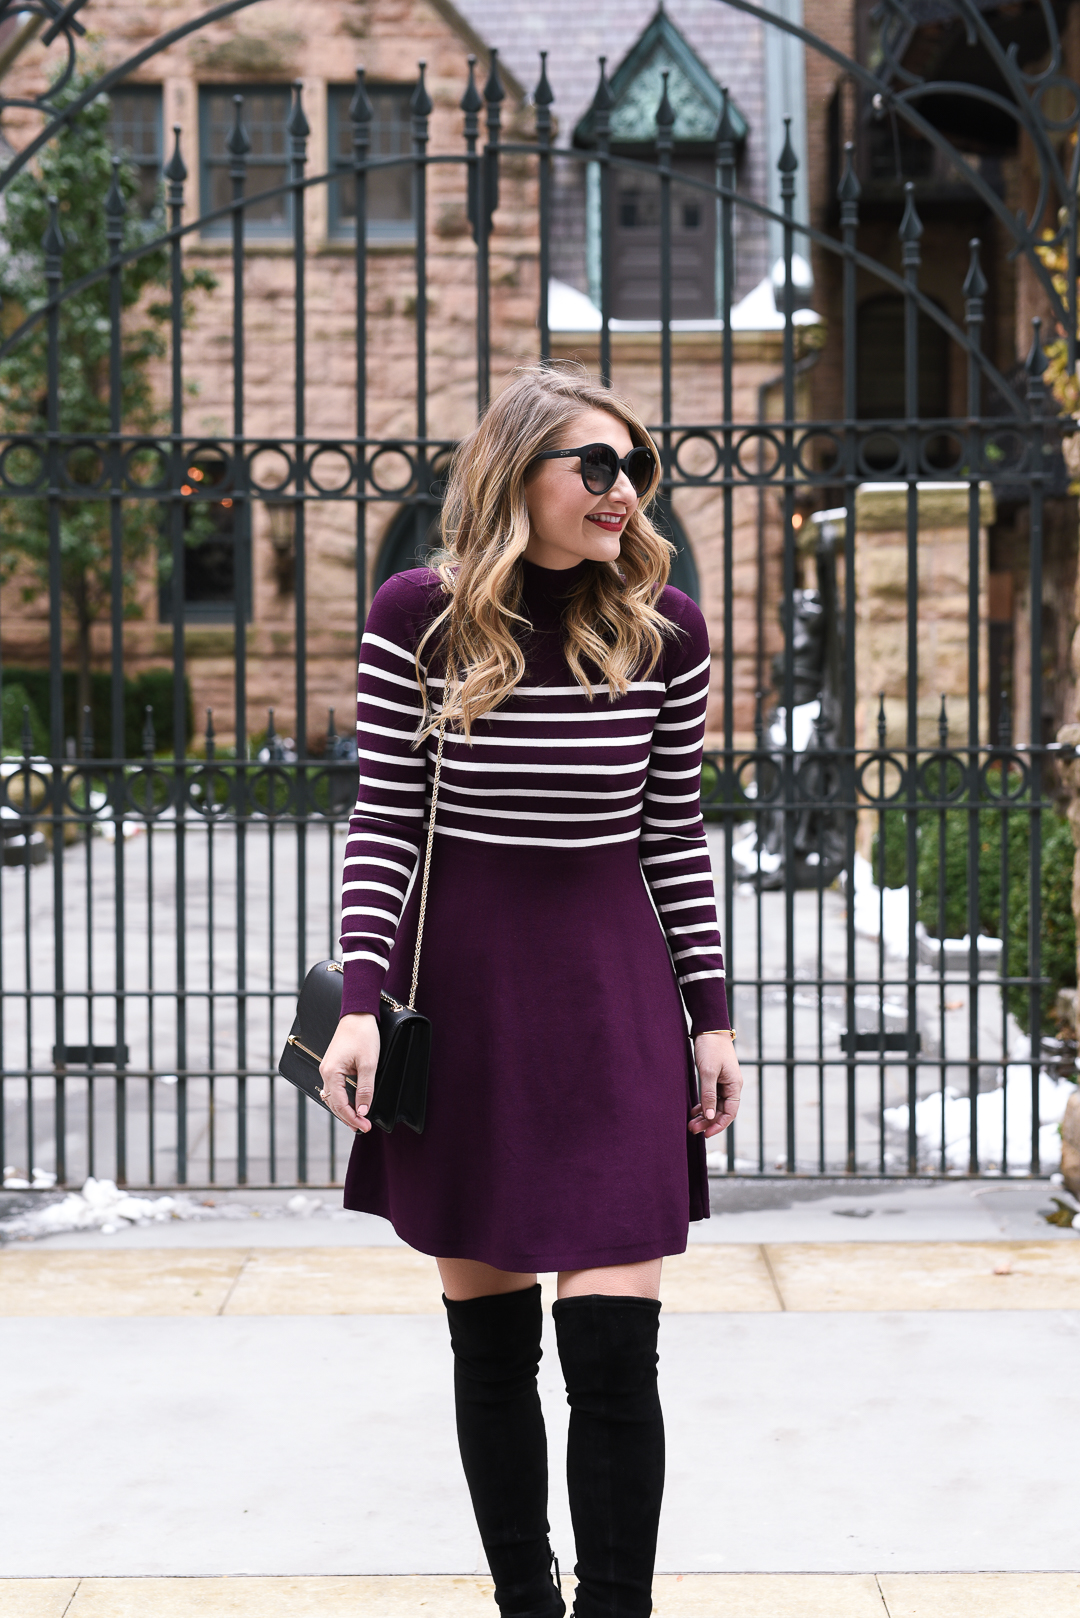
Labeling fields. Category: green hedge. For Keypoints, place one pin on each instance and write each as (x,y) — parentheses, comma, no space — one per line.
(153,689)
(945,914)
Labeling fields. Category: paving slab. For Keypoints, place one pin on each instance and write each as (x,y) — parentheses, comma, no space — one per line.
(322,1446)
(926,1275)
(981,1595)
(733,1595)
(735,1278)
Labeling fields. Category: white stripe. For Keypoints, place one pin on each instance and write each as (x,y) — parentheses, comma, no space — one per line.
(696,977)
(492,767)
(525,814)
(378,781)
(681,881)
(394,679)
(390,758)
(680,702)
(695,747)
(557,741)
(380,730)
(394,810)
(539,842)
(363,955)
(387,842)
(665,797)
(569,718)
(574,690)
(680,679)
(682,724)
(673,775)
(386,865)
(679,854)
(695,820)
(699,949)
(369,910)
(372,701)
(533,792)
(371,639)
(368,886)
(695,927)
(689,904)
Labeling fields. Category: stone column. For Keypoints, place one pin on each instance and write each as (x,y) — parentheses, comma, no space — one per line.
(881,580)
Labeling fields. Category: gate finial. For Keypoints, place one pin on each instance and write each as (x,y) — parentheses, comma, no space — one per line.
(665,115)
(974,281)
(603,100)
(470,102)
(421,104)
(911,226)
(360,109)
(115,208)
(493,89)
(238,144)
(53,240)
(176,168)
(787,162)
(543,95)
(849,190)
(297,125)
(1036,362)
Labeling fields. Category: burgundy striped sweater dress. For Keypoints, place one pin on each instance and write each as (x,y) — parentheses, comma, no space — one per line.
(561,1069)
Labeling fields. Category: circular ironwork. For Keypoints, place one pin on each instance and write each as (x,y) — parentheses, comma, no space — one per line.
(259,484)
(129,467)
(880,453)
(26,485)
(889,768)
(941,452)
(270,791)
(1054,86)
(397,488)
(714,455)
(316,482)
(943,778)
(808,452)
(769,454)
(1004,449)
(210,791)
(148,792)
(88,792)
(1006,770)
(87,457)
(32,792)
(765,786)
(817,780)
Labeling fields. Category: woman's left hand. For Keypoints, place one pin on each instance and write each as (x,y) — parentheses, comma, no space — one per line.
(720,1081)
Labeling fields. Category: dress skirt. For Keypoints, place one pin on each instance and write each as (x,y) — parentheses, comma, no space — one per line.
(562,1072)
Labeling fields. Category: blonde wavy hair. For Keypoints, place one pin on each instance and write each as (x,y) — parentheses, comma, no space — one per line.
(611,618)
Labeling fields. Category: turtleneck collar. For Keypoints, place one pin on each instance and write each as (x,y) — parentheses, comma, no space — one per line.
(545,590)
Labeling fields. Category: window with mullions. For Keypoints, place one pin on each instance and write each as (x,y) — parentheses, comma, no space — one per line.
(210,534)
(264,113)
(389,191)
(135,131)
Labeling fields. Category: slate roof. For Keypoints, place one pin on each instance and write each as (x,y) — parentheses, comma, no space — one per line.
(576,32)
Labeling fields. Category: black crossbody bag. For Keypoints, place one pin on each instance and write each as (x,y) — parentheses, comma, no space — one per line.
(401,1078)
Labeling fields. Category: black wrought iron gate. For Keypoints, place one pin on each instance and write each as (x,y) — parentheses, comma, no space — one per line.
(884,887)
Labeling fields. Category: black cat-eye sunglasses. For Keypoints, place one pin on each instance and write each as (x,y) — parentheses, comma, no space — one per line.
(600,466)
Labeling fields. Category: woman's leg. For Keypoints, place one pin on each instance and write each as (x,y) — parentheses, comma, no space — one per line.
(495,1325)
(606,1321)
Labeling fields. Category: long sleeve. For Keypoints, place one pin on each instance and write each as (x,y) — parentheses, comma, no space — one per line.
(386,828)
(674,853)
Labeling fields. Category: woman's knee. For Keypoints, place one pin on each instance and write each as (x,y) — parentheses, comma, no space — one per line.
(465,1278)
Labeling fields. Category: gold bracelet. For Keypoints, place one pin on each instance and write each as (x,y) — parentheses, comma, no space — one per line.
(730,1031)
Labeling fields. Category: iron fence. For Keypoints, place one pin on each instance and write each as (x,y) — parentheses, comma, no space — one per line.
(159,912)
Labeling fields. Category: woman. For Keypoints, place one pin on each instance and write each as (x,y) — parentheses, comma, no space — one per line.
(570,901)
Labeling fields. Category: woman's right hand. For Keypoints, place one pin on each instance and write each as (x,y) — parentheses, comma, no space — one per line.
(354,1050)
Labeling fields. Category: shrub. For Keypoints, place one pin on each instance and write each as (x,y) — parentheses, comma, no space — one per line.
(153,689)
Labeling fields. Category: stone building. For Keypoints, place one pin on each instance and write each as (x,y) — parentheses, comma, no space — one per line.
(259,53)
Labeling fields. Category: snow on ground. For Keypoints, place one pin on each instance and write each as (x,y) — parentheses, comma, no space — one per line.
(104,1206)
(1005,1111)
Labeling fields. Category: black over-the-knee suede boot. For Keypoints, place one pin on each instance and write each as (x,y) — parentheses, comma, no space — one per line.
(615,1454)
(496,1342)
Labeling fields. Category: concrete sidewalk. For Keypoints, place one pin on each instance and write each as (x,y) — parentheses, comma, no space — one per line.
(254,1415)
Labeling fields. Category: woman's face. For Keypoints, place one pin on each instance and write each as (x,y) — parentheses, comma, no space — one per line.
(568,524)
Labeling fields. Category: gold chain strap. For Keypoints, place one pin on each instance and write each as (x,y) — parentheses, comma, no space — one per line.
(427,867)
